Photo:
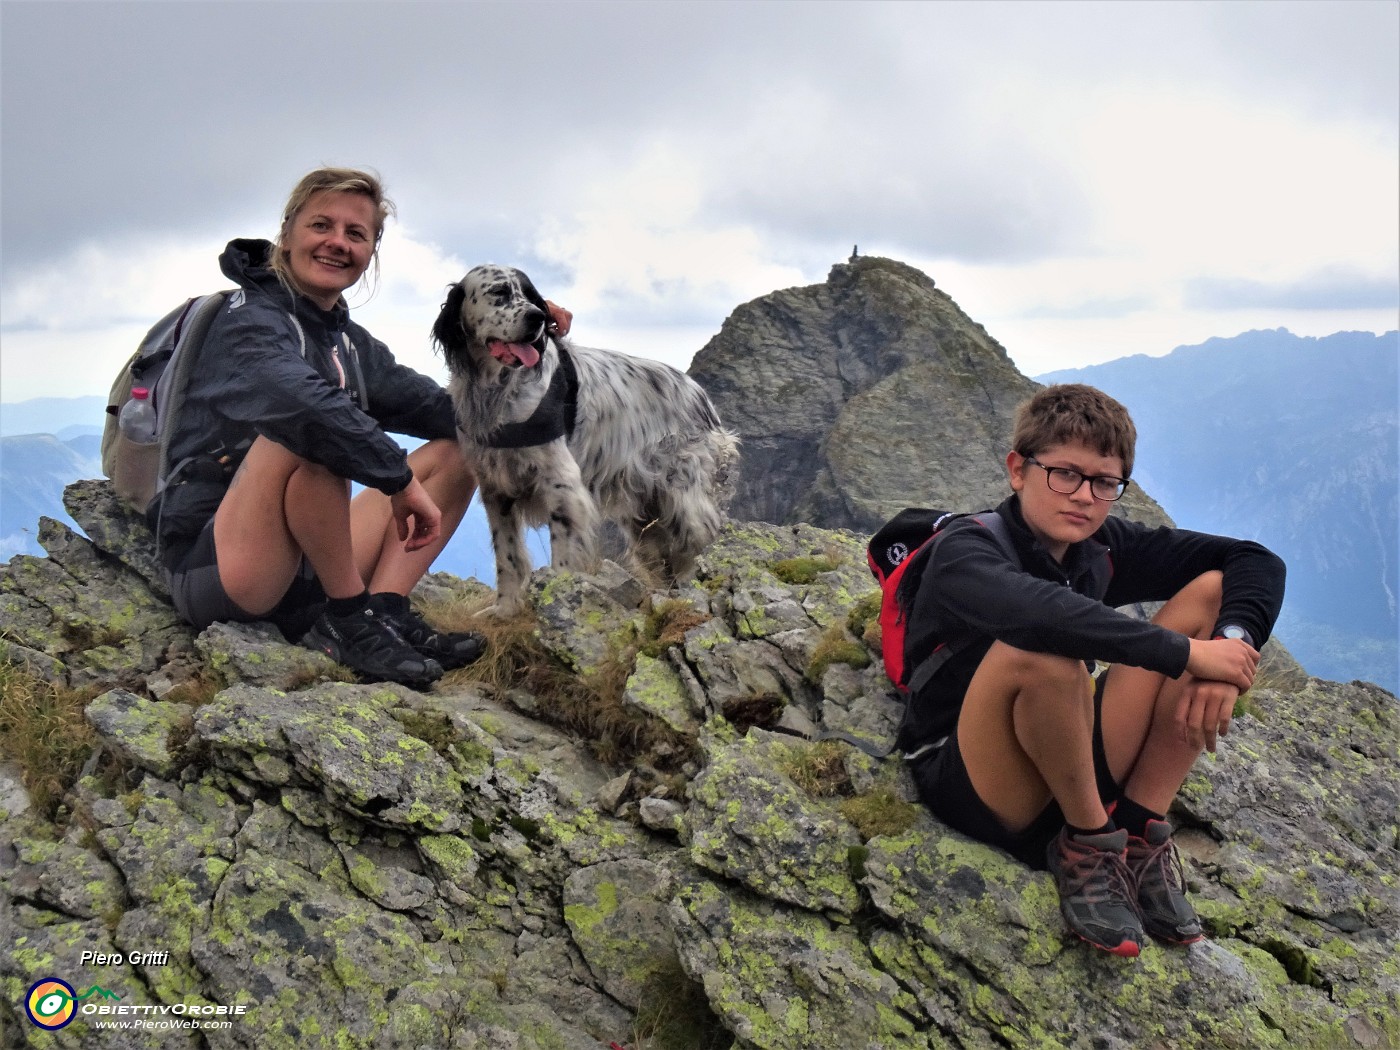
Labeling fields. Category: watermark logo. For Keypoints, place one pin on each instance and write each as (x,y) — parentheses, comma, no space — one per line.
(52,1003)
(49,1003)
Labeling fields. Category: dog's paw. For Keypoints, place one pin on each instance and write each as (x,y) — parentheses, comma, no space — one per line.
(503,610)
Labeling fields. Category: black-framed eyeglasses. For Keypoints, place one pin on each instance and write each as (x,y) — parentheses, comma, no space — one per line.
(1067,482)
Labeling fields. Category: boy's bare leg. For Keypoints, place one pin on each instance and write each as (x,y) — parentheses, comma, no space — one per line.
(1144,746)
(278,508)
(379,553)
(1026,734)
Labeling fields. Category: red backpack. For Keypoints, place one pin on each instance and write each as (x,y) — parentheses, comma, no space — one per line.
(898,556)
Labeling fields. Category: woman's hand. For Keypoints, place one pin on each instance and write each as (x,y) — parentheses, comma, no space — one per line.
(417,516)
(560,320)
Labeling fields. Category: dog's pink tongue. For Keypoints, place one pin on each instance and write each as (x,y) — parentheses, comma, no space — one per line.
(526,354)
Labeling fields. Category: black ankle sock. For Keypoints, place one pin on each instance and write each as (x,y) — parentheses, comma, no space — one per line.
(1134,816)
(347,606)
(1106,829)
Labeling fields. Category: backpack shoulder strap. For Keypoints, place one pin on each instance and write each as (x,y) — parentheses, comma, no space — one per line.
(929,666)
(192,329)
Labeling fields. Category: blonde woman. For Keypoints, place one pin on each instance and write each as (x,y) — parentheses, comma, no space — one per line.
(290,402)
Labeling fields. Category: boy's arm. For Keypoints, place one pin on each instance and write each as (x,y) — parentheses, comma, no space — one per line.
(1152,564)
(970,584)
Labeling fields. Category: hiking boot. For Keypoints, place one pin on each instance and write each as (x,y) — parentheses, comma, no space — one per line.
(368,643)
(1160,879)
(452,649)
(1096,890)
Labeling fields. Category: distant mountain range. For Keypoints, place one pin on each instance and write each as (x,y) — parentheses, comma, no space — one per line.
(1291,441)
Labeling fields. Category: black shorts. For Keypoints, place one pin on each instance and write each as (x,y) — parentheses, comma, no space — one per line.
(947,790)
(199,596)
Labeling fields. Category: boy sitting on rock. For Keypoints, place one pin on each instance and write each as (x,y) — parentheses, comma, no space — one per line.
(1022,748)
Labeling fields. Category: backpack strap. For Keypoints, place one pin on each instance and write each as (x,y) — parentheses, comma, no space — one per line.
(923,672)
(190,332)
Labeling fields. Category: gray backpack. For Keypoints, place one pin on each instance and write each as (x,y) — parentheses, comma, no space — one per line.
(162,364)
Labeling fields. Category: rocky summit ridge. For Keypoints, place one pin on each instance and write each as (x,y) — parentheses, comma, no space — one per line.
(862,395)
(625,835)
(368,866)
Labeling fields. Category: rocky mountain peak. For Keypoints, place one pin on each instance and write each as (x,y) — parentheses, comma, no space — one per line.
(865,394)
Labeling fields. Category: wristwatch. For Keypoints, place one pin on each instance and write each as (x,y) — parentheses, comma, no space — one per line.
(1234,630)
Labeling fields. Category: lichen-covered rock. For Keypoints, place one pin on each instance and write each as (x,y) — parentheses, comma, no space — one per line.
(582,620)
(150,734)
(123,535)
(787,979)
(258,654)
(616,912)
(373,867)
(341,739)
(656,689)
(86,611)
(751,824)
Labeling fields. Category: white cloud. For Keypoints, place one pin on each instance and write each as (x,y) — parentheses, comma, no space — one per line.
(1085,179)
(639,249)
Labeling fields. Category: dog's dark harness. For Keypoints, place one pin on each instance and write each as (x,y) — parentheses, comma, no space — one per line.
(554,416)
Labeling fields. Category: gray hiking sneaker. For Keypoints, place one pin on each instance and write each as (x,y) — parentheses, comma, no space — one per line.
(1096,890)
(1160,879)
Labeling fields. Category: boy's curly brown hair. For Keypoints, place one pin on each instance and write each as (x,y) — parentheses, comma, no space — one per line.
(1074,412)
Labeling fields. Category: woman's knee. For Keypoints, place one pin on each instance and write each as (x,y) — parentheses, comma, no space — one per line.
(442,457)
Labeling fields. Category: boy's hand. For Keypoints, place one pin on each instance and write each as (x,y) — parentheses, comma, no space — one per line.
(417,516)
(1230,660)
(1220,669)
(1204,711)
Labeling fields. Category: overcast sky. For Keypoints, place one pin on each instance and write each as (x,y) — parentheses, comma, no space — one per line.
(1087,180)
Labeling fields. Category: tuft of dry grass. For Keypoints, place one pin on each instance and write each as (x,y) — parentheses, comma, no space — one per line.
(676,1015)
(667,623)
(836,647)
(588,705)
(757,709)
(43,731)
(819,769)
(804,570)
(864,618)
(197,690)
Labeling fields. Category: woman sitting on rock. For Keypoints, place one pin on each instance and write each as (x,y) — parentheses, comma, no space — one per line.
(289,402)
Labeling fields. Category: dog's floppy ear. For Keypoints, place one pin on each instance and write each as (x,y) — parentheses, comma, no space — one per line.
(449,331)
(527,288)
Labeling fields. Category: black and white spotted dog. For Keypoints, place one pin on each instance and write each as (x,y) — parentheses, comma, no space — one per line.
(566,435)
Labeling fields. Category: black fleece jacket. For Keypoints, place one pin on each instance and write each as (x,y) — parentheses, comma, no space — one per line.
(1071,608)
(331,406)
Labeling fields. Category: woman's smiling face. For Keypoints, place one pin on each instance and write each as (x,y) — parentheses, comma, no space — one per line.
(329,244)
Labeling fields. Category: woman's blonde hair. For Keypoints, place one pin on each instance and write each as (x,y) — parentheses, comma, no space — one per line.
(335,180)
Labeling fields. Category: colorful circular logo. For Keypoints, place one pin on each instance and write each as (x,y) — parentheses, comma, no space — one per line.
(50,1003)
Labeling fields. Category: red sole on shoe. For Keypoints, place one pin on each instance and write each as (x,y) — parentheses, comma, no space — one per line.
(1125,950)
